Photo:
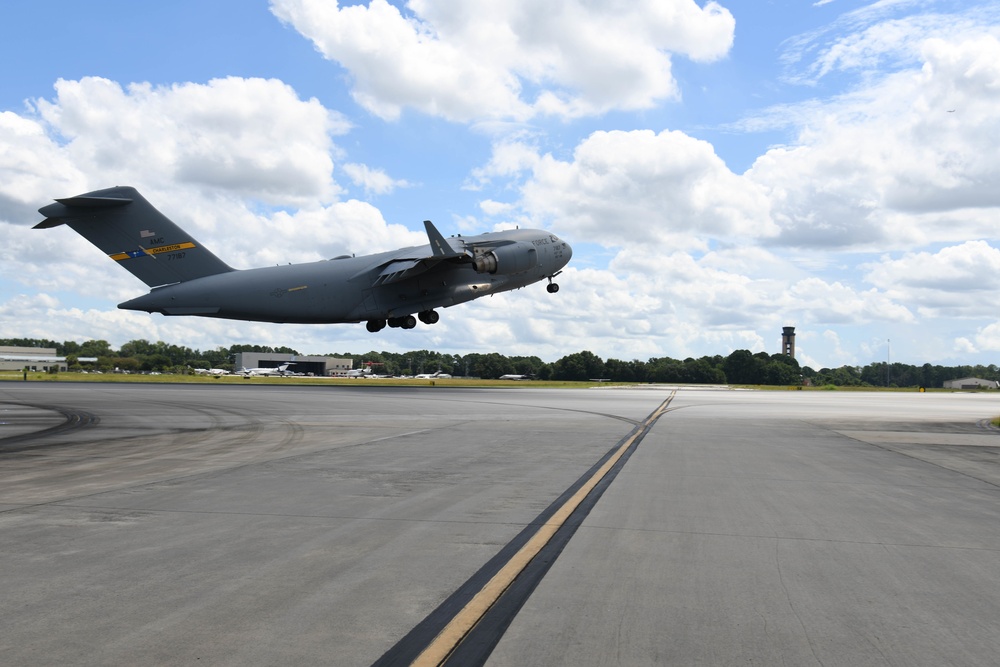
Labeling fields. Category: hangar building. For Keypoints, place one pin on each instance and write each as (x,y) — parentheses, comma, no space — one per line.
(300,364)
(971,383)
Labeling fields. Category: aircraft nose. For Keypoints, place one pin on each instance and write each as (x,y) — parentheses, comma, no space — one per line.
(567,253)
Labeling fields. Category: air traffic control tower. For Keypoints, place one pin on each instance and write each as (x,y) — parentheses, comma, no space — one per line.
(788,341)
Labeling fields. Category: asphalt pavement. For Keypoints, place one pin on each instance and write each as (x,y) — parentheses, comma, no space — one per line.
(260,525)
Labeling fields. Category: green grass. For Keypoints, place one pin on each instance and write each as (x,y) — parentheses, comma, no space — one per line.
(297,380)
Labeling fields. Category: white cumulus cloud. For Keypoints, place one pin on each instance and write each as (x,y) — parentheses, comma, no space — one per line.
(251,137)
(469,60)
(624,188)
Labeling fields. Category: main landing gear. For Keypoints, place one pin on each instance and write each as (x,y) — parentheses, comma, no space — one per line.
(429,316)
(404,322)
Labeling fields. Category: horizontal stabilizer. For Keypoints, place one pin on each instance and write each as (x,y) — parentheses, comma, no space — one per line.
(83,201)
(49,223)
(56,214)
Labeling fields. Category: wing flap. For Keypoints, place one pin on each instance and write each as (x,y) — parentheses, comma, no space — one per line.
(402,269)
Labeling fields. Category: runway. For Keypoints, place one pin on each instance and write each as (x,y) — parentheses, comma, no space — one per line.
(264,525)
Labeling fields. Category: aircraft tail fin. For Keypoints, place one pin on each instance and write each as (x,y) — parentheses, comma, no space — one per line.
(132,232)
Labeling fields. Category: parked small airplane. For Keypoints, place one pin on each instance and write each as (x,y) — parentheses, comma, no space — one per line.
(211,371)
(432,376)
(514,376)
(364,372)
(267,372)
(387,288)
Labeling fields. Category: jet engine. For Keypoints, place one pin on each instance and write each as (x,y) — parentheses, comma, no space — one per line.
(513,258)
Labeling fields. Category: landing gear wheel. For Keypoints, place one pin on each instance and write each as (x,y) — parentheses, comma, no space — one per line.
(375,325)
(552,288)
(429,317)
(408,322)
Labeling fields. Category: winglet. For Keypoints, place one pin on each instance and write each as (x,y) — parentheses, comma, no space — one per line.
(439,245)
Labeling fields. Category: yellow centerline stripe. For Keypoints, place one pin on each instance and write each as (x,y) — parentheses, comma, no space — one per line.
(466,619)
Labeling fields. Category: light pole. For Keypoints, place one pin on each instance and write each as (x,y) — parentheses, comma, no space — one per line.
(887,362)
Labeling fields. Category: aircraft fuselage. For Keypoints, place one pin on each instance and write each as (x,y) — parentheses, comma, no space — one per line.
(342,290)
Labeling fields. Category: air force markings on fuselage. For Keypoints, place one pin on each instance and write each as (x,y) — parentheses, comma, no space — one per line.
(387,288)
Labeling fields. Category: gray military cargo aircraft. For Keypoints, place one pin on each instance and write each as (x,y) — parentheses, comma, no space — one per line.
(387,288)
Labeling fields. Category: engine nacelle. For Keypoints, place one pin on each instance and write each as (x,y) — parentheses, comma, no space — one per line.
(485,262)
(506,259)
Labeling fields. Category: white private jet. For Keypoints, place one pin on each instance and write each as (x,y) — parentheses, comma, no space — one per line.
(432,376)
(215,372)
(267,372)
(365,372)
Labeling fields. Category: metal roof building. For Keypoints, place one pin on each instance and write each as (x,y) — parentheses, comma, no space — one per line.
(33,358)
(971,383)
(299,364)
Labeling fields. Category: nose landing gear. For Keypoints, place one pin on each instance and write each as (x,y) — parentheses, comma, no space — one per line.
(552,287)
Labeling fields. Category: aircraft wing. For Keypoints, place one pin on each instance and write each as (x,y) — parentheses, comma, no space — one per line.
(401,268)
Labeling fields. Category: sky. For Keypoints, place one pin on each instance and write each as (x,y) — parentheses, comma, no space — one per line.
(721,169)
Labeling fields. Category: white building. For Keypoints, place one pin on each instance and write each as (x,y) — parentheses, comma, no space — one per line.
(971,383)
(299,363)
(32,358)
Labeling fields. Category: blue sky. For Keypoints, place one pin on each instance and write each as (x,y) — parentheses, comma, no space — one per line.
(721,169)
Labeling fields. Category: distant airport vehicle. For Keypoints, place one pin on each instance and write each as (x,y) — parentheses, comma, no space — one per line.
(268,372)
(432,376)
(387,288)
(514,376)
(211,371)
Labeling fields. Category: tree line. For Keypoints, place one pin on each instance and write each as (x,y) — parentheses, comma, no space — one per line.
(739,367)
